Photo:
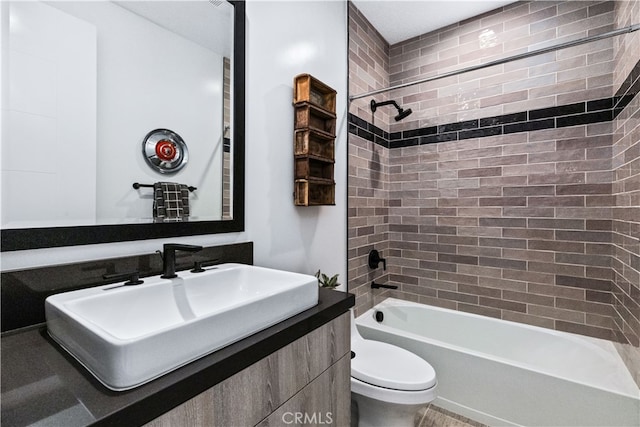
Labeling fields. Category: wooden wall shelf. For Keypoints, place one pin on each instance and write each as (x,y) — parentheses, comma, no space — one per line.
(311,142)
(309,89)
(314,141)
(309,116)
(314,193)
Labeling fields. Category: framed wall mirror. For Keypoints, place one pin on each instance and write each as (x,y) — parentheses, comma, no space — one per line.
(85,84)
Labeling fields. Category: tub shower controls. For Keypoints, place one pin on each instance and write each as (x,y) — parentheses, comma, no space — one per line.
(375,260)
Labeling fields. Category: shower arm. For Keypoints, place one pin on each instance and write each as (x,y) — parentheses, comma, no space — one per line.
(541,51)
(375,105)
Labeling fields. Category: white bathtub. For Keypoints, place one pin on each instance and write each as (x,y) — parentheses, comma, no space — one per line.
(503,373)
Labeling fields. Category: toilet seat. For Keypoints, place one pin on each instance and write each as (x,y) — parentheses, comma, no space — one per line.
(384,365)
(397,397)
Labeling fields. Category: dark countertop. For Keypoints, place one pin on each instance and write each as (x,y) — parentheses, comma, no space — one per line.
(43,384)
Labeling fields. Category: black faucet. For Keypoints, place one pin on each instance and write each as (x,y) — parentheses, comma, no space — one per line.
(169,257)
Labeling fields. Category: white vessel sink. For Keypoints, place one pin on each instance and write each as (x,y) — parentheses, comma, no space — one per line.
(129,335)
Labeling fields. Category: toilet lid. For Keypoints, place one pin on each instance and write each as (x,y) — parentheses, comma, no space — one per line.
(389,366)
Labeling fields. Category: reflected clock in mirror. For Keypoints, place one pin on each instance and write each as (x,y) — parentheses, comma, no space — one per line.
(86,82)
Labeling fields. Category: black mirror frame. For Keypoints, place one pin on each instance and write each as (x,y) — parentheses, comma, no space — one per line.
(37,238)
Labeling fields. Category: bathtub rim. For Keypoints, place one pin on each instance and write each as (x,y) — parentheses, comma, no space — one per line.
(595,342)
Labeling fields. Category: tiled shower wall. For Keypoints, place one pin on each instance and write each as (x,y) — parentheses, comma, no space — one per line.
(368,162)
(555,78)
(626,191)
(507,221)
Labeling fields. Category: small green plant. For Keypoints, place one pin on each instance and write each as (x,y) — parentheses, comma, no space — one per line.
(325,281)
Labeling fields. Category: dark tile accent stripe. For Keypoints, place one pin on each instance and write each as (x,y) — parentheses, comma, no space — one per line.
(580,113)
(596,111)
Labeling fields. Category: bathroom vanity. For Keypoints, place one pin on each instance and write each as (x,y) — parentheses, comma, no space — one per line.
(297,366)
(300,365)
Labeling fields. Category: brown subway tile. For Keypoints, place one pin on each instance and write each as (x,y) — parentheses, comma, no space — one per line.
(454,296)
(580,259)
(599,201)
(528,298)
(528,255)
(433,283)
(438,266)
(597,296)
(598,225)
(503,222)
(538,212)
(479,231)
(592,331)
(480,172)
(477,250)
(557,156)
(479,290)
(503,201)
(561,178)
(503,243)
(585,306)
(527,233)
(569,270)
(556,246)
(458,278)
(457,259)
(503,304)
(457,221)
(563,224)
(584,236)
(606,322)
(556,313)
(583,282)
(480,192)
(556,201)
(583,189)
(535,190)
(419,290)
(502,263)
(516,159)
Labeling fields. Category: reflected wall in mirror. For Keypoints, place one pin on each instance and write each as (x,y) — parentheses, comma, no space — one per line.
(83,83)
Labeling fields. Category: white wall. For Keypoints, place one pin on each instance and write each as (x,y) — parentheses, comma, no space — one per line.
(286,39)
(50,111)
(283,39)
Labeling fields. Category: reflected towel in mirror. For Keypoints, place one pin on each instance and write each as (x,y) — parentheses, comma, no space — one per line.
(170,202)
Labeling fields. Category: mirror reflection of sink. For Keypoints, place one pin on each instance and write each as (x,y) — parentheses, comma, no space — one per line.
(129,335)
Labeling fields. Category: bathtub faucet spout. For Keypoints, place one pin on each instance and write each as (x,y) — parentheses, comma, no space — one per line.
(375,285)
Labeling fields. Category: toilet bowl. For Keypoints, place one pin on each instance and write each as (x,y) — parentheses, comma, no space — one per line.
(388,383)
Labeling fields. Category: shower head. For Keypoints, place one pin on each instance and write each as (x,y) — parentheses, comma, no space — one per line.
(402,113)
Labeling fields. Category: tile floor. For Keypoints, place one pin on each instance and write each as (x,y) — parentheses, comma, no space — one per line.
(433,416)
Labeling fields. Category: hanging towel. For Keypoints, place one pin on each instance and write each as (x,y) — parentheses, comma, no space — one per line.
(170,202)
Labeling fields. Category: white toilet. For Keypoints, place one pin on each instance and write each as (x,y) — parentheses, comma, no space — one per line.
(389,384)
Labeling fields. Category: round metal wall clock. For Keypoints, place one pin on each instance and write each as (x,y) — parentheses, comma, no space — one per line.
(165,151)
